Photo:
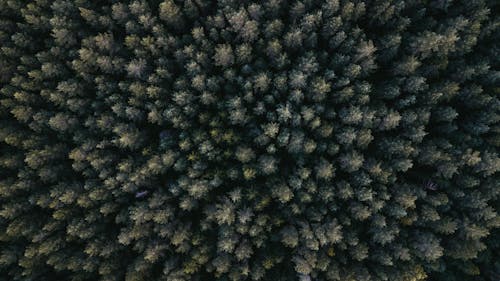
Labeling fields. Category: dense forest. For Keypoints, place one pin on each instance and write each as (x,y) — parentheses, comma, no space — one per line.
(177,140)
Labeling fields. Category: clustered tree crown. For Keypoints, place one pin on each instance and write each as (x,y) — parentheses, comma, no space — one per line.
(177,140)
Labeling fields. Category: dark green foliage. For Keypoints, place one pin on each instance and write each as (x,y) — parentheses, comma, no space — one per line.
(249,140)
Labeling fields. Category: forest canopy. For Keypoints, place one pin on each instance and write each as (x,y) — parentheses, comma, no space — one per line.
(177,140)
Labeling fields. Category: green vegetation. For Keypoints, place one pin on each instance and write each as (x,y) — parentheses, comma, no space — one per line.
(177,140)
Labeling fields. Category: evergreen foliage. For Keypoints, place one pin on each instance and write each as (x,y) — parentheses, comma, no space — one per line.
(234,140)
